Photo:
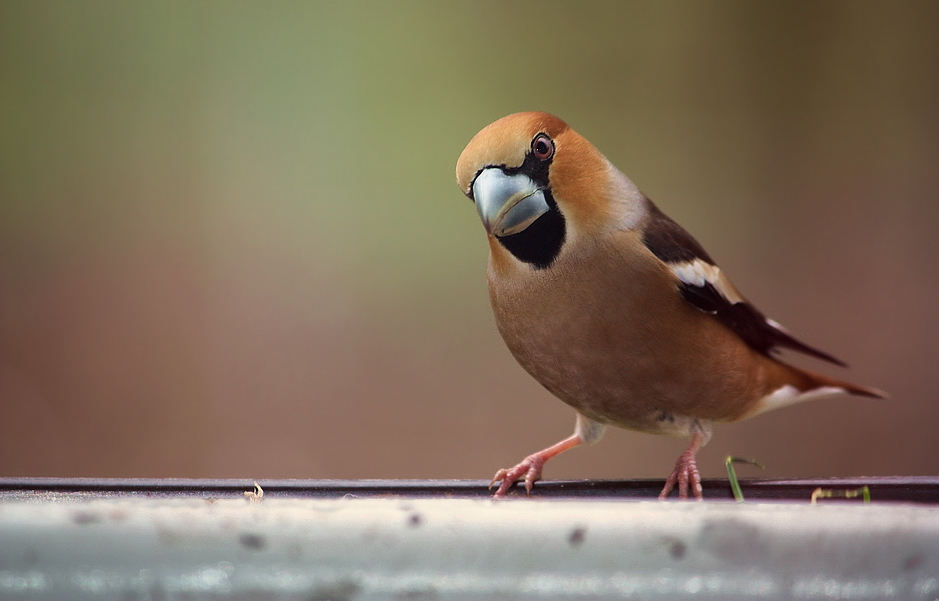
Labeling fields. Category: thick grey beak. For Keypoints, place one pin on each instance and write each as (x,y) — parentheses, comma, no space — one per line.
(507,204)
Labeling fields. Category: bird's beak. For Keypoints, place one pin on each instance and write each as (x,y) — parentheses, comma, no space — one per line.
(507,204)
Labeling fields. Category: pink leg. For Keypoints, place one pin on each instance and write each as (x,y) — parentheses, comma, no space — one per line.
(686,469)
(531,466)
(586,432)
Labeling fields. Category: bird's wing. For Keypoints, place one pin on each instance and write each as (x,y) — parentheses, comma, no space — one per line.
(705,286)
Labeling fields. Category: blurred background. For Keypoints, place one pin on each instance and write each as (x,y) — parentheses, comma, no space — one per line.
(231,244)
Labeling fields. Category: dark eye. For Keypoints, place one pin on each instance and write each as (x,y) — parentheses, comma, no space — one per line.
(542,147)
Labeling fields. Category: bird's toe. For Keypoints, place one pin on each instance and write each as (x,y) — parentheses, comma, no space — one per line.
(529,469)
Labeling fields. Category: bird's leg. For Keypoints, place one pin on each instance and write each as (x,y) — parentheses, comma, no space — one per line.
(586,431)
(686,468)
(531,466)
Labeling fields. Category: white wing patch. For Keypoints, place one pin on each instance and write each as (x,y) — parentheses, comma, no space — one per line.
(777,326)
(706,287)
(699,273)
(789,395)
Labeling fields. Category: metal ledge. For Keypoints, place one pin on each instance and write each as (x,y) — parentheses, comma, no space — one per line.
(361,540)
(922,489)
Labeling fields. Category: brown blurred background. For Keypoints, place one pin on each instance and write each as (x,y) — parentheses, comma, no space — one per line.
(231,244)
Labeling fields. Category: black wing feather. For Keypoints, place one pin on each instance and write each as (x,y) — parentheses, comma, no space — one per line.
(748,323)
(672,244)
(669,241)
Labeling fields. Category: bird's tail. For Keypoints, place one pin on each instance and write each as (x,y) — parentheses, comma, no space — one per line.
(816,381)
(792,385)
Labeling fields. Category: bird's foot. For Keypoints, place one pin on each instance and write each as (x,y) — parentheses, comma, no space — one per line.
(529,467)
(685,474)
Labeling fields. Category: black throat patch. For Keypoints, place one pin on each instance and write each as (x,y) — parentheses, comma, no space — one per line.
(539,243)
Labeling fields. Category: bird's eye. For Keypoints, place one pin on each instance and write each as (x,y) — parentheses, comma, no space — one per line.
(542,147)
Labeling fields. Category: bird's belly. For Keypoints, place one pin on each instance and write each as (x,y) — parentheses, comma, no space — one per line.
(595,378)
(612,360)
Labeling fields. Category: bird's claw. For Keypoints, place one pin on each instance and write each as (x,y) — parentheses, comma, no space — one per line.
(530,468)
(685,474)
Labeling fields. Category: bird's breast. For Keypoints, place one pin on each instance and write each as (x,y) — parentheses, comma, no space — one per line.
(592,329)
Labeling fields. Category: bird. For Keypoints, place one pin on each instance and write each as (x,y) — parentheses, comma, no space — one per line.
(613,307)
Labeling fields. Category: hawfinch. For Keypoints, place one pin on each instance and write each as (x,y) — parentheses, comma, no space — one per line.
(612,306)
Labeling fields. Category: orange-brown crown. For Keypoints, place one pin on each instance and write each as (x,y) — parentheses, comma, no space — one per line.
(505,143)
(581,179)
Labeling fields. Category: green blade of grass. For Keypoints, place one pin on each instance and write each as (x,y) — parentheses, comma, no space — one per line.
(732,474)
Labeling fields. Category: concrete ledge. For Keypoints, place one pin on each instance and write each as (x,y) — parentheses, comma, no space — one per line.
(80,547)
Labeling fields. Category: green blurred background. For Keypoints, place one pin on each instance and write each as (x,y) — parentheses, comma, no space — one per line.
(231,244)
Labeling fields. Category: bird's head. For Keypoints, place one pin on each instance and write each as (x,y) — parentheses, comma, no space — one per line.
(537,183)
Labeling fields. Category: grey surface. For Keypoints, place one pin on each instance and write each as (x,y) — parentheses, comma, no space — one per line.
(65,547)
